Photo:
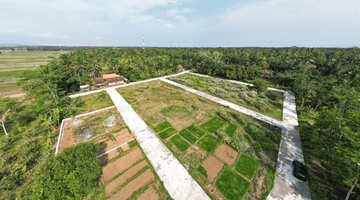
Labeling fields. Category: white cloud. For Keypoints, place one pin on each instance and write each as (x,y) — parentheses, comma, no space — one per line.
(175,11)
(168,26)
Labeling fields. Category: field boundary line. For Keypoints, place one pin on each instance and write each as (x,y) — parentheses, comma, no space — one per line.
(114,148)
(77,116)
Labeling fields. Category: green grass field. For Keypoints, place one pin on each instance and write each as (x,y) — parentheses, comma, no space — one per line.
(188,136)
(214,124)
(232,185)
(180,143)
(197,131)
(247,166)
(167,133)
(208,143)
(162,127)
(230,130)
(202,171)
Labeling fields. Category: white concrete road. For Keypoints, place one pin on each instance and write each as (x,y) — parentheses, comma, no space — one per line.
(175,177)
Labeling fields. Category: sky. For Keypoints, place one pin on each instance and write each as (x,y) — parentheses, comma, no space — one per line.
(181,23)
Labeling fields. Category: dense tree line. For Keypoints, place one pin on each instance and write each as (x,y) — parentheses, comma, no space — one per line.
(326,84)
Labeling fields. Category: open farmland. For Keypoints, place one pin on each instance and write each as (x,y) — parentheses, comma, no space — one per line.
(269,103)
(192,128)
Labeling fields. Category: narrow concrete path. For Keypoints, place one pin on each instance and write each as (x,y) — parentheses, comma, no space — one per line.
(175,177)
(241,109)
(286,185)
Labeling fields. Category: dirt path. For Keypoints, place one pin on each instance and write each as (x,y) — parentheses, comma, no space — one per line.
(110,187)
(134,186)
(112,169)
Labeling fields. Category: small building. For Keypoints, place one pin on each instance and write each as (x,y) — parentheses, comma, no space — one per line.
(99,83)
(118,80)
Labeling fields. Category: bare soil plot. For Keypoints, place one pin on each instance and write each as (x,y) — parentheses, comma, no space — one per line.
(120,139)
(111,187)
(226,154)
(213,167)
(112,169)
(125,147)
(149,194)
(95,122)
(134,185)
(106,157)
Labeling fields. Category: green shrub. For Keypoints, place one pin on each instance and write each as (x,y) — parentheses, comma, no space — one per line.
(188,136)
(222,136)
(261,85)
(273,95)
(247,166)
(195,107)
(244,96)
(162,126)
(232,185)
(180,143)
(214,124)
(167,133)
(208,143)
(202,171)
(197,131)
(252,93)
(72,174)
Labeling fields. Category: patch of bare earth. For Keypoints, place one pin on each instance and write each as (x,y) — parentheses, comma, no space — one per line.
(106,157)
(134,186)
(213,167)
(112,186)
(149,194)
(226,154)
(112,169)
(180,124)
(120,139)
(125,147)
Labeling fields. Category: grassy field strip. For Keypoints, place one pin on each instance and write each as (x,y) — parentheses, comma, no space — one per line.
(114,148)
(249,84)
(177,180)
(77,116)
(231,105)
(119,86)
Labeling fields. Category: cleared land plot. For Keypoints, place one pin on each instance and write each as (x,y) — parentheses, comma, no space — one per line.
(180,143)
(232,185)
(248,138)
(208,143)
(247,166)
(124,137)
(197,131)
(229,129)
(100,124)
(134,185)
(112,169)
(269,103)
(226,154)
(188,136)
(149,194)
(162,127)
(212,167)
(92,102)
(106,157)
(167,133)
(113,185)
(214,124)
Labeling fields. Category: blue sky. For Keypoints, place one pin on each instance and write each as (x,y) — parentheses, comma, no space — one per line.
(182,23)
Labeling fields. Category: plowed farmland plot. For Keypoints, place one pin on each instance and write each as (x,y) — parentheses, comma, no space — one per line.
(269,103)
(208,138)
